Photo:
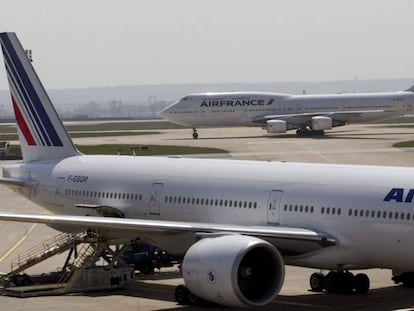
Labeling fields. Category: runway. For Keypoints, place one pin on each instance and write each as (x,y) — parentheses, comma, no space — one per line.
(357,144)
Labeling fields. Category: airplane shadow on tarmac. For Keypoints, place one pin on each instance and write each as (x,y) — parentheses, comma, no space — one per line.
(381,299)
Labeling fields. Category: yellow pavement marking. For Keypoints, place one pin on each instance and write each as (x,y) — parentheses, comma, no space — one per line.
(12,249)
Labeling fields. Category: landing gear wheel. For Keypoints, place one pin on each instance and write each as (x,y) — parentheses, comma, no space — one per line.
(343,282)
(346,282)
(317,282)
(361,283)
(194,299)
(195,134)
(182,295)
(331,282)
(305,132)
(302,132)
(406,279)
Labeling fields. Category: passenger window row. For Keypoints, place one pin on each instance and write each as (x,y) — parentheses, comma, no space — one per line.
(352,212)
(380,214)
(298,208)
(220,111)
(209,202)
(310,209)
(331,210)
(260,110)
(103,194)
(181,112)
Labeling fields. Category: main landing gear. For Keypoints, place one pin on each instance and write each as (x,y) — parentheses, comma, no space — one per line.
(406,279)
(195,134)
(340,282)
(305,132)
(184,296)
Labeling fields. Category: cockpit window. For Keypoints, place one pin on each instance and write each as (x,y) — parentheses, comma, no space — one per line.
(185,98)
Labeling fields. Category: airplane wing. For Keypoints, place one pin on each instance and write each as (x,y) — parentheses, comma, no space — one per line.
(15,182)
(288,240)
(303,118)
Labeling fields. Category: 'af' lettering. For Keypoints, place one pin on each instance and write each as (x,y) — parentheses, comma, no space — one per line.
(397,195)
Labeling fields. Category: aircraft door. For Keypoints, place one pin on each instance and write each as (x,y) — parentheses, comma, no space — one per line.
(59,194)
(408,108)
(273,206)
(155,199)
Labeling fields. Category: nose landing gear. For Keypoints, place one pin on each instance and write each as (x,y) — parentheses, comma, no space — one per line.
(195,134)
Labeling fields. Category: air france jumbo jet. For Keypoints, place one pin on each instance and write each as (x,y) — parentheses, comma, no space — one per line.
(278,113)
(236,223)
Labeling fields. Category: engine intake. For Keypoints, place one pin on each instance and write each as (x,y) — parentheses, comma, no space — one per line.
(320,123)
(234,270)
(276,126)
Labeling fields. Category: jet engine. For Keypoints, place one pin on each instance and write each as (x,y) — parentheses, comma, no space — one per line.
(234,270)
(320,123)
(276,126)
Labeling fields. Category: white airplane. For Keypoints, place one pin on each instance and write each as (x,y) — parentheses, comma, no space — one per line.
(278,113)
(236,223)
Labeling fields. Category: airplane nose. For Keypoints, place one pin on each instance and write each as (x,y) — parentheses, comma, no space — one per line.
(164,112)
(172,113)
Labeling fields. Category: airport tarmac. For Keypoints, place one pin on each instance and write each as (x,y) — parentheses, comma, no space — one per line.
(356,144)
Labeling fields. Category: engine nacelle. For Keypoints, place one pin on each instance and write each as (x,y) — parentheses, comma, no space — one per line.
(234,270)
(320,123)
(276,126)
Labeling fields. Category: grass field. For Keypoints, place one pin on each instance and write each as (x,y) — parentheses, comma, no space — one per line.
(404,144)
(8,137)
(124,126)
(102,134)
(8,133)
(146,150)
(140,150)
(108,126)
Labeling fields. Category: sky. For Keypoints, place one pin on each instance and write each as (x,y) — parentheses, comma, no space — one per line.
(94,43)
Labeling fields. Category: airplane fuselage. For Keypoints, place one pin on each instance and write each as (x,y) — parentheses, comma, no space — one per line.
(366,213)
(251,108)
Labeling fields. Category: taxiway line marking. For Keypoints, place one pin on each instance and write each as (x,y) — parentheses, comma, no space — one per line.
(17,244)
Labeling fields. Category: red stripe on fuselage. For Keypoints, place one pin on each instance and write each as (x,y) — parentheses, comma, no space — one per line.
(23,125)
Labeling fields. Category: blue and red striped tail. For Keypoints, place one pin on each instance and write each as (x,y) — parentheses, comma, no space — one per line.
(41,132)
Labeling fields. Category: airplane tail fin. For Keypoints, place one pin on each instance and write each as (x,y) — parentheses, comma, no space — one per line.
(41,133)
(411,89)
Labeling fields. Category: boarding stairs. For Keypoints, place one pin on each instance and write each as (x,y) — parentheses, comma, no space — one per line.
(56,245)
(97,265)
(84,255)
